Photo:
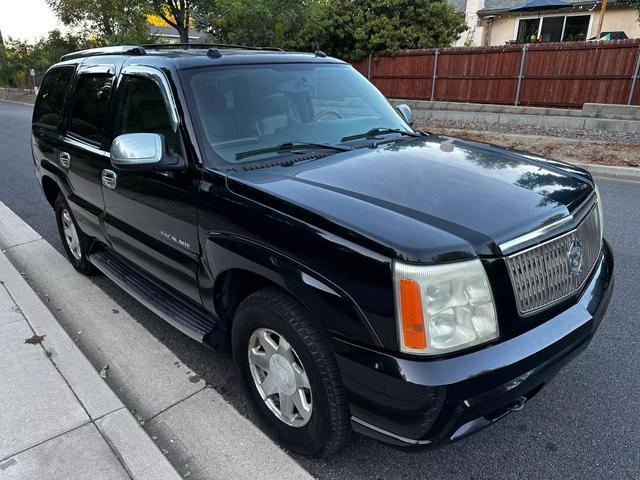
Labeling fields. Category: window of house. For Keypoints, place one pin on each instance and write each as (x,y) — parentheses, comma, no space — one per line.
(554,28)
(528,30)
(88,115)
(576,28)
(48,109)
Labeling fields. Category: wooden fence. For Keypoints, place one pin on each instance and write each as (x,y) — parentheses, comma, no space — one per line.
(545,74)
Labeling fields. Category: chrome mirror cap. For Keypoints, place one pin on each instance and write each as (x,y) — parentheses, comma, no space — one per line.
(137,149)
(405,112)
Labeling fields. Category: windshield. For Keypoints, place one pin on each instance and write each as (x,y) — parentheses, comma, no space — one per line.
(249,108)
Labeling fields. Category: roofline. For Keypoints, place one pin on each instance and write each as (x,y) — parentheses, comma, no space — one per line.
(142,49)
(582,3)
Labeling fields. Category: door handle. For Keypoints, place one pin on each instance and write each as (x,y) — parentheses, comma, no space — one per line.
(65,159)
(109,179)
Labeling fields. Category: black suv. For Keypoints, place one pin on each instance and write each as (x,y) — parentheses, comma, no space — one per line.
(365,275)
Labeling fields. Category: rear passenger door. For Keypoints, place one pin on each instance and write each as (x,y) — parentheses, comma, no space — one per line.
(83,145)
(151,217)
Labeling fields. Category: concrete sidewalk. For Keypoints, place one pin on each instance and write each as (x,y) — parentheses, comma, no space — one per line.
(58,418)
(200,432)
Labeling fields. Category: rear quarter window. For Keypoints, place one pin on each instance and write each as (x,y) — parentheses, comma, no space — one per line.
(50,103)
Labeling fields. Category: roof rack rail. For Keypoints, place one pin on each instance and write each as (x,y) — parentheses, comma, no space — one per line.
(202,46)
(92,52)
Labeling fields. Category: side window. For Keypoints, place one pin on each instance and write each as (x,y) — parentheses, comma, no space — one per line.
(88,115)
(141,109)
(48,108)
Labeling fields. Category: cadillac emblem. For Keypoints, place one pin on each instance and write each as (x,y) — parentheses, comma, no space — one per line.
(574,257)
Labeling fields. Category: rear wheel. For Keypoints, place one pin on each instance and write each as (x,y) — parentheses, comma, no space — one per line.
(76,244)
(290,373)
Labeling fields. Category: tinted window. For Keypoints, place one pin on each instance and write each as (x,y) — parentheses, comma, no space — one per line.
(89,111)
(48,109)
(141,109)
(253,107)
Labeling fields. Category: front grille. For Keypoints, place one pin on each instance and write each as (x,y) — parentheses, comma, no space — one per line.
(547,273)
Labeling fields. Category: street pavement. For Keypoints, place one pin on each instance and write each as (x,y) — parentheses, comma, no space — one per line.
(583,425)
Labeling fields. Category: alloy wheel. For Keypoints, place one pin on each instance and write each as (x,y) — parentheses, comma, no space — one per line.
(71,235)
(280,377)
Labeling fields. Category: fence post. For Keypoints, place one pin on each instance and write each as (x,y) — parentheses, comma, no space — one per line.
(369,68)
(634,78)
(433,79)
(525,47)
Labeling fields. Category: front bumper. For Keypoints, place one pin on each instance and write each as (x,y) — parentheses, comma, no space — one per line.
(417,402)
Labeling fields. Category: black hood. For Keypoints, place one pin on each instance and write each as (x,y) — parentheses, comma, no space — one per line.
(428,199)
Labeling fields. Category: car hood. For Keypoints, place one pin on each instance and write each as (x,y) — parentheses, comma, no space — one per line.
(428,199)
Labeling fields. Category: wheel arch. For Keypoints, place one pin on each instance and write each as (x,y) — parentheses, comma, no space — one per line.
(51,189)
(243,267)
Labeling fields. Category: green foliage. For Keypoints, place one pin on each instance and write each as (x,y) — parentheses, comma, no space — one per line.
(17,57)
(254,22)
(349,29)
(355,28)
(106,21)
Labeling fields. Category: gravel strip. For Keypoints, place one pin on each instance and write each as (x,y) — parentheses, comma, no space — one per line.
(596,135)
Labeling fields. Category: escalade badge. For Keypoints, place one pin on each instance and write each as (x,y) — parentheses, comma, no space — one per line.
(574,257)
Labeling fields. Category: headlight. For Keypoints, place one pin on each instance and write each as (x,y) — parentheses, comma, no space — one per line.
(442,308)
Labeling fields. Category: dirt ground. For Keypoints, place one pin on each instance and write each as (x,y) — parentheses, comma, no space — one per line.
(557,148)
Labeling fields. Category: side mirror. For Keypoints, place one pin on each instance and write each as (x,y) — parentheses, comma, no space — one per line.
(143,152)
(405,112)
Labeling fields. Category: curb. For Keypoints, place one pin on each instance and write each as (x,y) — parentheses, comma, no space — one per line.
(630,174)
(17,103)
(138,454)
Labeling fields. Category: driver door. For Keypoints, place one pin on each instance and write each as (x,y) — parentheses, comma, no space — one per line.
(151,217)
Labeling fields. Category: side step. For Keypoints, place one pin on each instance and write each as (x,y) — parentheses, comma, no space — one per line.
(185,315)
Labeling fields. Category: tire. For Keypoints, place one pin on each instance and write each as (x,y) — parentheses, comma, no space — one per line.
(76,244)
(327,427)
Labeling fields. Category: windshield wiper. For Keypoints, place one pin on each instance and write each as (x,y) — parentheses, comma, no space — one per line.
(379,131)
(287,146)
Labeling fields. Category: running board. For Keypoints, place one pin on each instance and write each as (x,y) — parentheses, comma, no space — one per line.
(184,314)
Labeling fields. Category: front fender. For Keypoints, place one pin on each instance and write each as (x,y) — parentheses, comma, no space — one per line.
(330,306)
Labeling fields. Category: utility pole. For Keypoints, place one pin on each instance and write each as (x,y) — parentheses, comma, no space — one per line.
(603,9)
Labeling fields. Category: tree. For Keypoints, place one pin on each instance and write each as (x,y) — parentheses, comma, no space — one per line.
(349,29)
(353,29)
(108,21)
(175,13)
(18,57)
(255,22)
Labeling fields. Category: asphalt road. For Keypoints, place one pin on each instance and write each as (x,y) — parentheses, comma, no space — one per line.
(584,425)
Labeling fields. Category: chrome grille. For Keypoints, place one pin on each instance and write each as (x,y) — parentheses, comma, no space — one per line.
(545,274)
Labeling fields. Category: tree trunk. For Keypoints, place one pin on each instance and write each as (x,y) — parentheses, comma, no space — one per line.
(184,33)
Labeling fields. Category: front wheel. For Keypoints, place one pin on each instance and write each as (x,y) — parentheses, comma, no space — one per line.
(76,244)
(290,373)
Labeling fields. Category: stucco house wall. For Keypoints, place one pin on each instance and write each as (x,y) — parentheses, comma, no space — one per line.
(490,23)
(503,26)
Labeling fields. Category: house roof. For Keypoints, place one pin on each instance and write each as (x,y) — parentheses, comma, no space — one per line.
(459,5)
(502,6)
(170,32)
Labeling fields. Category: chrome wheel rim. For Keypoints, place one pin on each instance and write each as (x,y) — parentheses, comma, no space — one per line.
(280,377)
(71,235)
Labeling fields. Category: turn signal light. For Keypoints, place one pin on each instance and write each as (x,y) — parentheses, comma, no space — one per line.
(413,333)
